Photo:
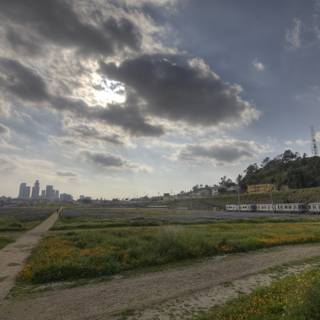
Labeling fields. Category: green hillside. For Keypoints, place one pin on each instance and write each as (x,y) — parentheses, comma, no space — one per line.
(288,169)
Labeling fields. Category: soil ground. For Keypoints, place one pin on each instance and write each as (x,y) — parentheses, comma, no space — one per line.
(152,291)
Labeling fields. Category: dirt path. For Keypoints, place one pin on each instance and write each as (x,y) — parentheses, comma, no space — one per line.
(102,301)
(13,255)
(186,307)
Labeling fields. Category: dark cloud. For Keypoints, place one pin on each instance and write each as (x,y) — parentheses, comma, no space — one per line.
(66,174)
(224,151)
(129,118)
(57,22)
(21,81)
(24,44)
(113,163)
(105,160)
(87,132)
(181,90)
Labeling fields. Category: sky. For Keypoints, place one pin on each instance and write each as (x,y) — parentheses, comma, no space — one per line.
(126,98)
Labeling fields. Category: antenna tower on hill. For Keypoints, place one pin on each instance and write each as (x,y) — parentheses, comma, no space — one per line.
(314,146)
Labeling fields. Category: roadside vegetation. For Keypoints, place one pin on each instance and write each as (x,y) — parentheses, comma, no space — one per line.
(292,298)
(9,224)
(81,254)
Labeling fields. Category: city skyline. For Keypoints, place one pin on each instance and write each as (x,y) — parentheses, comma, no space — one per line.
(155,95)
(35,193)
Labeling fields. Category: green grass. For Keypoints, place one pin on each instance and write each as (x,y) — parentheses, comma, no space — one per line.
(93,253)
(18,224)
(4,241)
(292,298)
(87,222)
(16,219)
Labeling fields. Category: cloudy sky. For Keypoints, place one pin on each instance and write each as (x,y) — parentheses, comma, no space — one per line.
(115,98)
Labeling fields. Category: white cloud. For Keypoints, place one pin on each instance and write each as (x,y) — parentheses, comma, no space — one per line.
(297,143)
(293,35)
(258,65)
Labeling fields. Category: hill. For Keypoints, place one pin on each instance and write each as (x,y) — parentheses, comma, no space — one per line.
(288,169)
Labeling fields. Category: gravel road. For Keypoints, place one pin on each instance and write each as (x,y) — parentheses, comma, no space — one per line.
(104,300)
(13,255)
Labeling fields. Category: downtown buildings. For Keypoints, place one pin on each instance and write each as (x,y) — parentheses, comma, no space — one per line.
(48,194)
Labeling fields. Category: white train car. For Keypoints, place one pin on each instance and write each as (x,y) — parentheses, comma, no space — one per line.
(290,207)
(232,207)
(314,207)
(265,207)
(248,207)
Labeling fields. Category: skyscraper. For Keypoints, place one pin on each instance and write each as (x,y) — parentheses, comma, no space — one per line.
(50,193)
(27,194)
(22,187)
(35,190)
(24,191)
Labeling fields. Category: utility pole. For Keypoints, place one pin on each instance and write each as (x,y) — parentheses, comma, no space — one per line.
(238,198)
(271,197)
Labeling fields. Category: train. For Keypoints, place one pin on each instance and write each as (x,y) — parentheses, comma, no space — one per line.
(313,208)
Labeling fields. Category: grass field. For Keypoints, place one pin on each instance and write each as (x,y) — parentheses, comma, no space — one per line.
(80,254)
(292,298)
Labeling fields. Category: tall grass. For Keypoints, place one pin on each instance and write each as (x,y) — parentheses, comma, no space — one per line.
(93,253)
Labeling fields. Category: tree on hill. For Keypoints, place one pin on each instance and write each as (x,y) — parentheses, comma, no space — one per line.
(288,168)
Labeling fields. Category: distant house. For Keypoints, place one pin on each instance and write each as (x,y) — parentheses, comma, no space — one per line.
(205,192)
(167,197)
(261,188)
(232,189)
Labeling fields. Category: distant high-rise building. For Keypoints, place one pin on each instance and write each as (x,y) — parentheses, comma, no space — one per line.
(35,190)
(28,191)
(24,191)
(57,194)
(43,194)
(50,193)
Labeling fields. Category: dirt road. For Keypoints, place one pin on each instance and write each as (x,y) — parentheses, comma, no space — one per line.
(102,301)
(13,255)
